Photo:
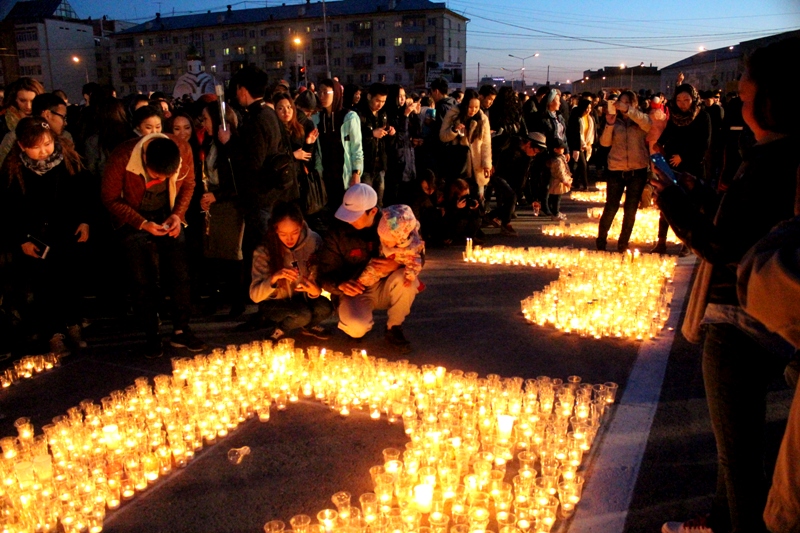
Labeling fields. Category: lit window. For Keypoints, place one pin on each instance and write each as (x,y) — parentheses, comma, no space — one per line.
(398,41)
(226,51)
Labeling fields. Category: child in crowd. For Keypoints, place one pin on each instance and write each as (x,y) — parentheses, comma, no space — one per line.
(428,206)
(398,231)
(462,215)
(658,120)
(560,178)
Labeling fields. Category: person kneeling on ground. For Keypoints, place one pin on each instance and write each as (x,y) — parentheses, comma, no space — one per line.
(284,277)
(350,245)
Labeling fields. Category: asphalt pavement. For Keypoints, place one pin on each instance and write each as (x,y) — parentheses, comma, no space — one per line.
(467,318)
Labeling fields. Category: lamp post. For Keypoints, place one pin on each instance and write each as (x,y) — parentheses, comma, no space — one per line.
(512,75)
(77,60)
(523,64)
(301,56)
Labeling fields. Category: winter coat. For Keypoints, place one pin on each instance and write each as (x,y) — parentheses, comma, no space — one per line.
(125,180)
(627,138)
(346,252)
(760,196)
(374,149)
(480,146)
(560,176)
(689,142)
(577,138)
(350,129)
(304,253)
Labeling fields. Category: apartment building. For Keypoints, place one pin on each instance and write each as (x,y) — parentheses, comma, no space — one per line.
(368,41)
(45,40)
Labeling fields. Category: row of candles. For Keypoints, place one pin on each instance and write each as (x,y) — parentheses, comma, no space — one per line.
(464,431)
(597,294)
(645,229)
(28,367)
(596,197)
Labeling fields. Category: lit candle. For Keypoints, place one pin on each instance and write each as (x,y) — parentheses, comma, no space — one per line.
(423,497)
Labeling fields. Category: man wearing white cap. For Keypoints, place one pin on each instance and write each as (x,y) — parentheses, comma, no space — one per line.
(349,245)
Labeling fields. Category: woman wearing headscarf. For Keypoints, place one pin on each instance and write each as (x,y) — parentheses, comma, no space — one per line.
(551,122)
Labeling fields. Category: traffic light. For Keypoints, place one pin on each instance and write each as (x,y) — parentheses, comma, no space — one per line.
(302,74)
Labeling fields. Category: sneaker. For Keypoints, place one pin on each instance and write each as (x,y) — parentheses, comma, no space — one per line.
(277,334)
(508,231)
(74,334)
(153,348)
(185,339)
(491,222)
(57,345)
(394,336)
(317,331)
(560,216)
(696,525)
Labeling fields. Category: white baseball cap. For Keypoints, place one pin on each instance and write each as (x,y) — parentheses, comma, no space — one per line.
(357,200)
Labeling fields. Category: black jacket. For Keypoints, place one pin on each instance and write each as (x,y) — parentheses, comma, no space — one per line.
(374,149)
(761,195)
(346,252)
(550,126)
(689,142)
(259,141)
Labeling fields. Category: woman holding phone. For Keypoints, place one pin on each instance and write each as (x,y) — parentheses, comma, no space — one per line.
(285,277)
(625,133)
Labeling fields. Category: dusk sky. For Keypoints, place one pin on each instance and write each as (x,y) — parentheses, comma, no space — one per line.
(570,37)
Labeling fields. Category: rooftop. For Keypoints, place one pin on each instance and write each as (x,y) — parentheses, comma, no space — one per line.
(307,10)
(41,9)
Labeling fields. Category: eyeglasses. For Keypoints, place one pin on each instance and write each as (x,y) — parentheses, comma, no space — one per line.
(63,117)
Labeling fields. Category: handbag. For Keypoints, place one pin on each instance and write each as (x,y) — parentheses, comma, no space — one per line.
(313,194)
(225,232)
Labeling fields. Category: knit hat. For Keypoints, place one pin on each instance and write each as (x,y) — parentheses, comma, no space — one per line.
(397,223)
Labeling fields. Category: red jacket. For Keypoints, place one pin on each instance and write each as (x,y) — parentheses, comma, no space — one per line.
(124,182)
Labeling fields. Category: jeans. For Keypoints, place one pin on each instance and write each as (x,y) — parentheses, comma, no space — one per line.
(554,204)
(580,170)
(147,256)
(736,374)
(632,183)
(376,181)
(506,200)
(296,312)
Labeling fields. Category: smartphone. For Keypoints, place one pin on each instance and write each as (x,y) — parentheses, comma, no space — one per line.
(622,106)
(661,164)
(44,249)
(612,109)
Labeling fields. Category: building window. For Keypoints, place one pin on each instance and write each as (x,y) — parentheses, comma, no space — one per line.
(349,78)
(398,77)
(459,27)
(253,49)
(349,44)
(366,78)
(337,61)
(279,64)
(31,52)
(382,42)
(262,33)
(240,50)
(27,36)
(226,67)
(153,72)
(398,41)
(212,53)
(459,45)
(141,59)
(381,25)
(432,22)
(364,25)
(398,24)
(224,36)
(210,36)
(141,43)
(432,57)
(252,34)
(226,51)
(335,28)
(176,40)
(165,56)
(349,61)
(365,42)
(153,57)
(381,60)
(213,68)
(398,60)
(382,78)
(30,70)
(411,40)
(431,39)
(150,42)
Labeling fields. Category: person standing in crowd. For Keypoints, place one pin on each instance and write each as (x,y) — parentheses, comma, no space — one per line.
(551,122)
(625,133)
(352,96)
(401,170)
(433,146)
(146,120)
(467,132)
(713,158)
(44,204)
(684,142)
(17,104)
(375,129)
(531,111)
(284,279)
(581,137)
(351,243)
(487,94)
(740,356)
(147,187)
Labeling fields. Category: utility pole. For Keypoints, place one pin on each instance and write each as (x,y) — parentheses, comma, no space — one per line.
(325,27)
(548,75)
(479,73)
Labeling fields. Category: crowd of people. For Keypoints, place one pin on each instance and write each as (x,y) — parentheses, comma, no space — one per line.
(276,196)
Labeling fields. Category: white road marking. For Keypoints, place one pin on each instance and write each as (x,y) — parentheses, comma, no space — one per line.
(613,473)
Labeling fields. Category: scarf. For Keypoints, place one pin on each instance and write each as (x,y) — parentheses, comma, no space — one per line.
(12,117)
(684,118)
(46,165)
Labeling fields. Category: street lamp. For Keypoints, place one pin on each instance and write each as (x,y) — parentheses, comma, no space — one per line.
(298,42)
(512,77)
(77,60)
(523,63)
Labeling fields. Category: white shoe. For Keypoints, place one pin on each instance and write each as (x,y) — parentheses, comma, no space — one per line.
(697,525)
